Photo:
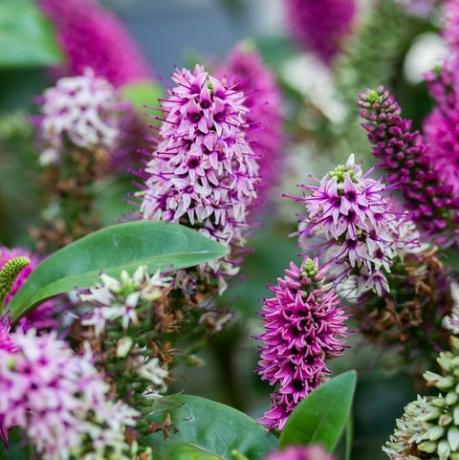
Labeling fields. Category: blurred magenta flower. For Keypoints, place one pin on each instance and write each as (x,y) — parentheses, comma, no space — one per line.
(304,326)
(320,26)
(93,37)
(246,72)
(301,453)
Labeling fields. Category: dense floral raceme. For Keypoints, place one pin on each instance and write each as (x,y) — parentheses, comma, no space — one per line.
(301,453)
(203,172)
(429,428)
(93,37)
(404,155)
(82,110)
(59,401)
(321,27)
(125,324)
(246,72)
(42,317)
(304,326)
(357,226)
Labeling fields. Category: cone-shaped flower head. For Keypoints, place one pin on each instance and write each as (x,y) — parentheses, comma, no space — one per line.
(59,400)
(429,428)
(320,26)
(246,72)
(43,316)
(82,110)
(303,327)
(91,36)
(404,156)
(203,172)
(355,223)
(301,453)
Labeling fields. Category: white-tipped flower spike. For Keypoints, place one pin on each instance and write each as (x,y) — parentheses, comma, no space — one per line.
(82,111)
(203,172)
(429,427)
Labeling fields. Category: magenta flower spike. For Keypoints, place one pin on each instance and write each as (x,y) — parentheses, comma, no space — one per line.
(320,26)
(304,326)
(92,37)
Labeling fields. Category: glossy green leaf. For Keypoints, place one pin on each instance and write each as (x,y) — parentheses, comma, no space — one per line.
(213,427)
(322,416)
(26,36)
(112,250)
(349,437)
(186,451)
(142,94)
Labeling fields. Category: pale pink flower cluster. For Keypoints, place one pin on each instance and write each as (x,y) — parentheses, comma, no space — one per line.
(203,172)
(82,110)
(59,400)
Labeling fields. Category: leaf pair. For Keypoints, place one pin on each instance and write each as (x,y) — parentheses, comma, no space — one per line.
(215,431)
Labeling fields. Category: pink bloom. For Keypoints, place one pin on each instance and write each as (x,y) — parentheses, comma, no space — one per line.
(304,326)
(320,26)
(41,317)
(57,398)
(245,70)
(93,37)
(203,172)
(301,453)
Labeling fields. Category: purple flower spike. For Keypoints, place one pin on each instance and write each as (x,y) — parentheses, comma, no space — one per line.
(92,37)
(404,156)
(203,173)
(304,326)
(246,72)
(301,453)
(320,26)
(355,224)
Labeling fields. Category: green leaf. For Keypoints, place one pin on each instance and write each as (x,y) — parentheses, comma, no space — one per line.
(113,249)
(322,416)
(213,427)
(26,36)
(142,94)
(186,451)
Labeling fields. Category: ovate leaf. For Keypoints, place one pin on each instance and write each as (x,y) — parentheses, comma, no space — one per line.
(212,427)
(111,250)
(322,416)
